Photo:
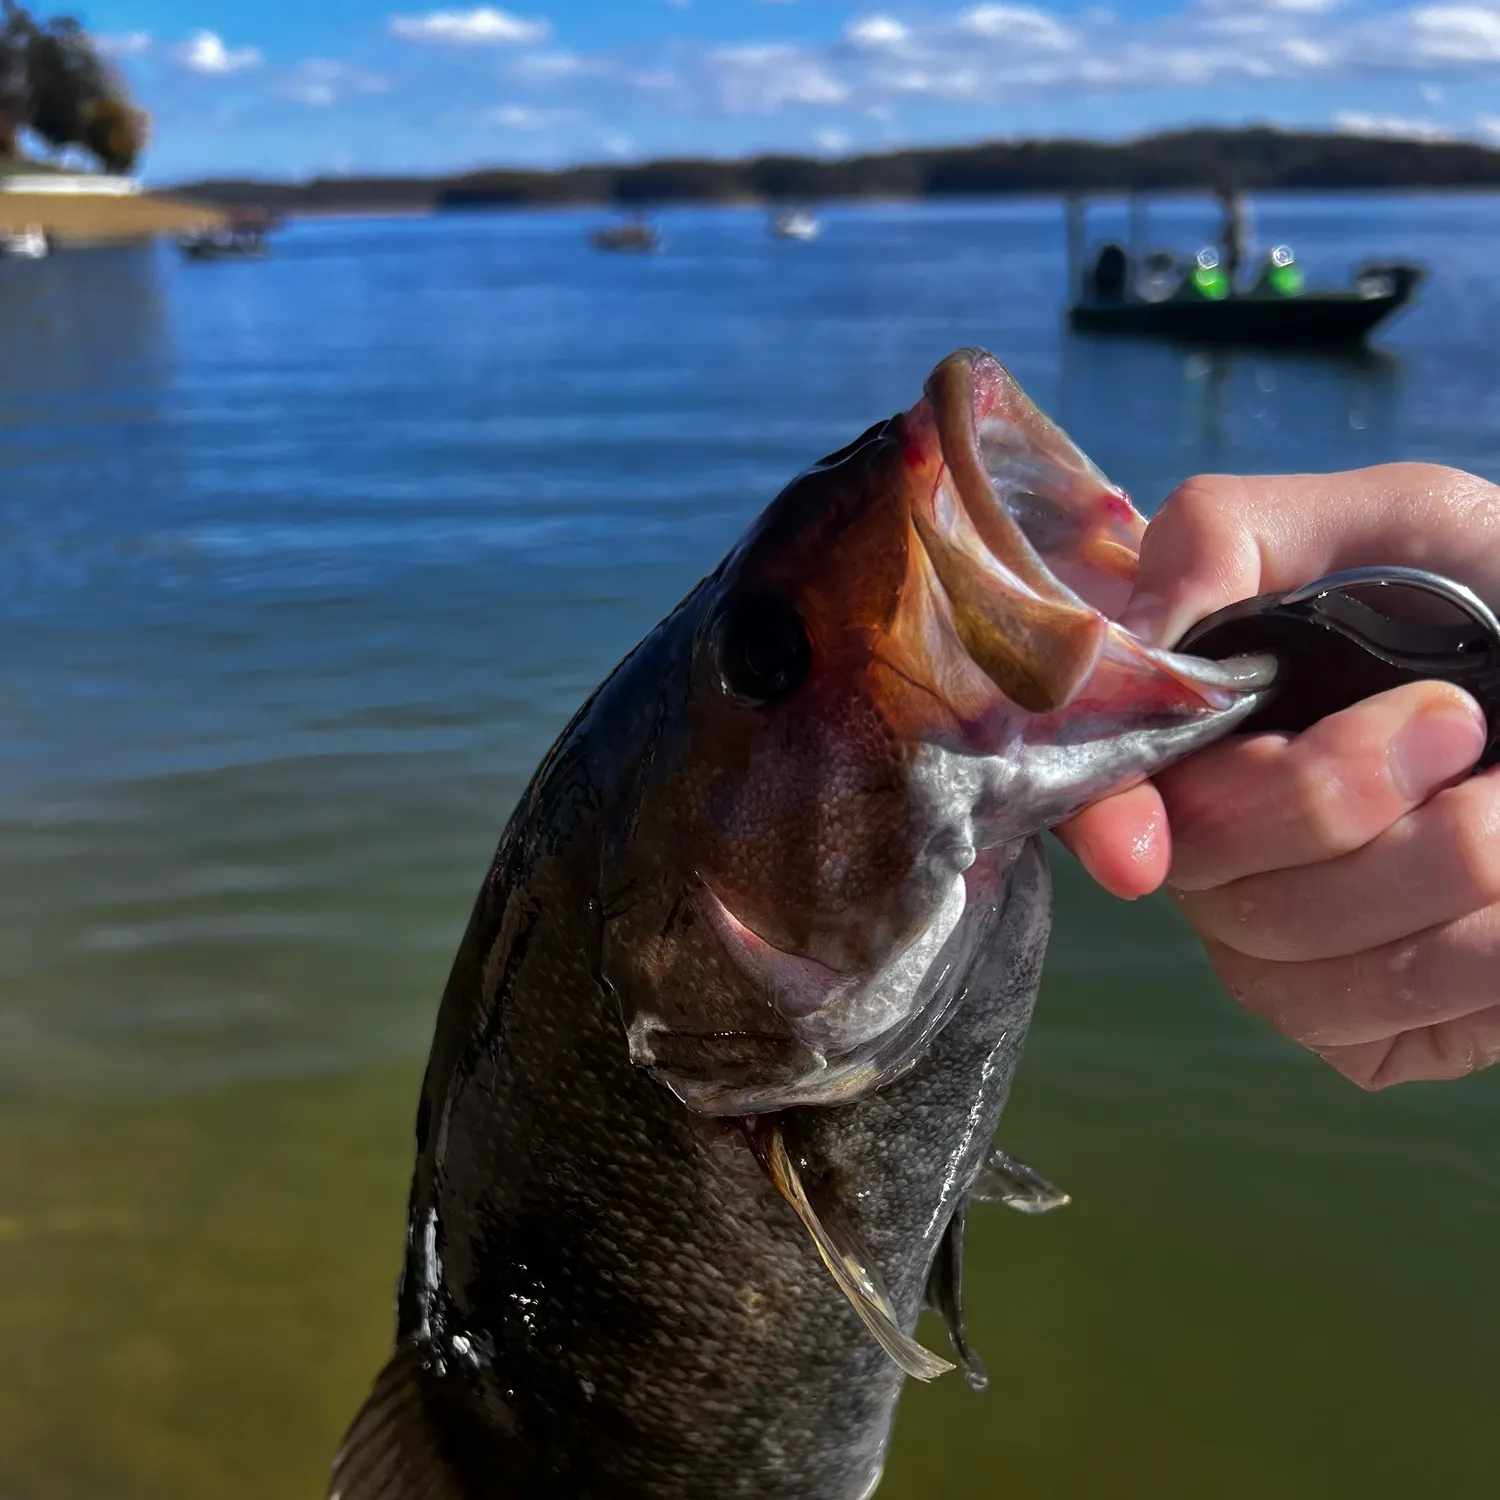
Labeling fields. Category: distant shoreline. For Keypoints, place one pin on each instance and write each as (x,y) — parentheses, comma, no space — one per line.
(1253,159)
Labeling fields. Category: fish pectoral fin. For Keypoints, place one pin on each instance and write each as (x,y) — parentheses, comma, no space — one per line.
(847,1260)
(391,1450)
(945,1296)
(1003,1179)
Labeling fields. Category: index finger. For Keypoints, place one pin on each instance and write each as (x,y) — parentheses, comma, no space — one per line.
(1221,538)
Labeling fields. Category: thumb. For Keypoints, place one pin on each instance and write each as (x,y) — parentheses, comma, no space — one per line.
(1220,538)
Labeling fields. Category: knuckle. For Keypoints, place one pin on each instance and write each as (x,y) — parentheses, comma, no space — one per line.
(1252,918)
(1362,1076)
(1448,1049)
(1202,506)
(1428,478)
(1399,980)
(1364,1066)
(1326,806)
(1467,820)
(1455,1049)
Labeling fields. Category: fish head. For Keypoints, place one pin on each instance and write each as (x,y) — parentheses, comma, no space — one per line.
(907,666)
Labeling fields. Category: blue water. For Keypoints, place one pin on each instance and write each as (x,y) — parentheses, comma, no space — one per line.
(303,563)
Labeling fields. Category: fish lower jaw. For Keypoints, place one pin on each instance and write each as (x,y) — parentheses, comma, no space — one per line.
(874,1028)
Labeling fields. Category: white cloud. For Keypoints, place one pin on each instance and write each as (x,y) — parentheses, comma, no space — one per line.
(314,95)
(130,44)
(485,27)
(1431,94)
(1394,127)
(205,52)
(876,31)
(1305,53)
(834,142)
(519,117)
(1456,33)
(656,81)
(759,80)
(548,65)
(323,81)
(1024,25)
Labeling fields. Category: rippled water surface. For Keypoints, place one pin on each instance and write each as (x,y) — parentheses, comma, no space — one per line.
(302,565)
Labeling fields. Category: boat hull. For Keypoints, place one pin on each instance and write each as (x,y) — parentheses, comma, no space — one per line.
(1318,319)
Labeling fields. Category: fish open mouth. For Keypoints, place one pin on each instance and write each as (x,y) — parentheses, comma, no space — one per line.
(1033,552)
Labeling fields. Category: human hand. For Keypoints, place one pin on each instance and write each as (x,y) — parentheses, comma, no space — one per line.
(1345,881)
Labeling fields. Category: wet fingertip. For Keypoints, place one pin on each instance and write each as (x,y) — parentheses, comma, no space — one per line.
(1135,871)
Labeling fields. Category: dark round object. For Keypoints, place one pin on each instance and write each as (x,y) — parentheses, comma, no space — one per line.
(764,650)
(1358,633)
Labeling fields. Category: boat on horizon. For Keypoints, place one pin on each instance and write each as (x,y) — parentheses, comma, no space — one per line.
(1199,299)
(795,224)
(240,239)
(633,235)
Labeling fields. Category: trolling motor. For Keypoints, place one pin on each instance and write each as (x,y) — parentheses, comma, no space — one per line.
(1351,635)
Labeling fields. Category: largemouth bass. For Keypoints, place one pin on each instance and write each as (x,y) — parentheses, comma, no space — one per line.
(719,1064)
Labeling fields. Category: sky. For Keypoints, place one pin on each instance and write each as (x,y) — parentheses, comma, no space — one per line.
(291,90)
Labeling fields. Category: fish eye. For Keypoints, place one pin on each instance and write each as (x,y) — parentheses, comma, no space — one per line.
(763,648)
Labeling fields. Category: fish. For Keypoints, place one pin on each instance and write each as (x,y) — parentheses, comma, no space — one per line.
(717,1072)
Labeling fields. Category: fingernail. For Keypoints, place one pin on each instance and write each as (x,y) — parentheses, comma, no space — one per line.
(1439,744)
(1144,617)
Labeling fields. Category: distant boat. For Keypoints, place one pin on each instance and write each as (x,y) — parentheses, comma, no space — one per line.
(30,244)
(795,224)
(245,241)
(635,235)
(1193,301)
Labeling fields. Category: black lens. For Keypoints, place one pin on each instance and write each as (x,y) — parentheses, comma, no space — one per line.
(764,652)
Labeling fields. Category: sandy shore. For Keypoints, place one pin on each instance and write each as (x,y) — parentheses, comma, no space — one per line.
(81,219)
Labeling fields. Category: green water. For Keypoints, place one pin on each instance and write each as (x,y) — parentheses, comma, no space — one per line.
(302,565)
(1267,1284)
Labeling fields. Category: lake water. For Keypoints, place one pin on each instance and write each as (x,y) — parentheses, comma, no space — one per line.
(303,564)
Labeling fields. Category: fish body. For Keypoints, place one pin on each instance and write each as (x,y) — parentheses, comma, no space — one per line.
(729,1034)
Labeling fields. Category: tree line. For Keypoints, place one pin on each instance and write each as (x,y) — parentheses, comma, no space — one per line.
(1255,159)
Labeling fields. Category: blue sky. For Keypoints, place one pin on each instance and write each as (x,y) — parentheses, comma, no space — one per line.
(283,89)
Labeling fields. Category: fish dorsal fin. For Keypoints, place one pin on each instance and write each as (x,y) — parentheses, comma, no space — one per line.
(845,1257)
(391,1449)
(1003,1179)
(945,1296)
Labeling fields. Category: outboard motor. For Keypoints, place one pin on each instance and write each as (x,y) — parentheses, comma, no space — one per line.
(1387,278)
(1110,274)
